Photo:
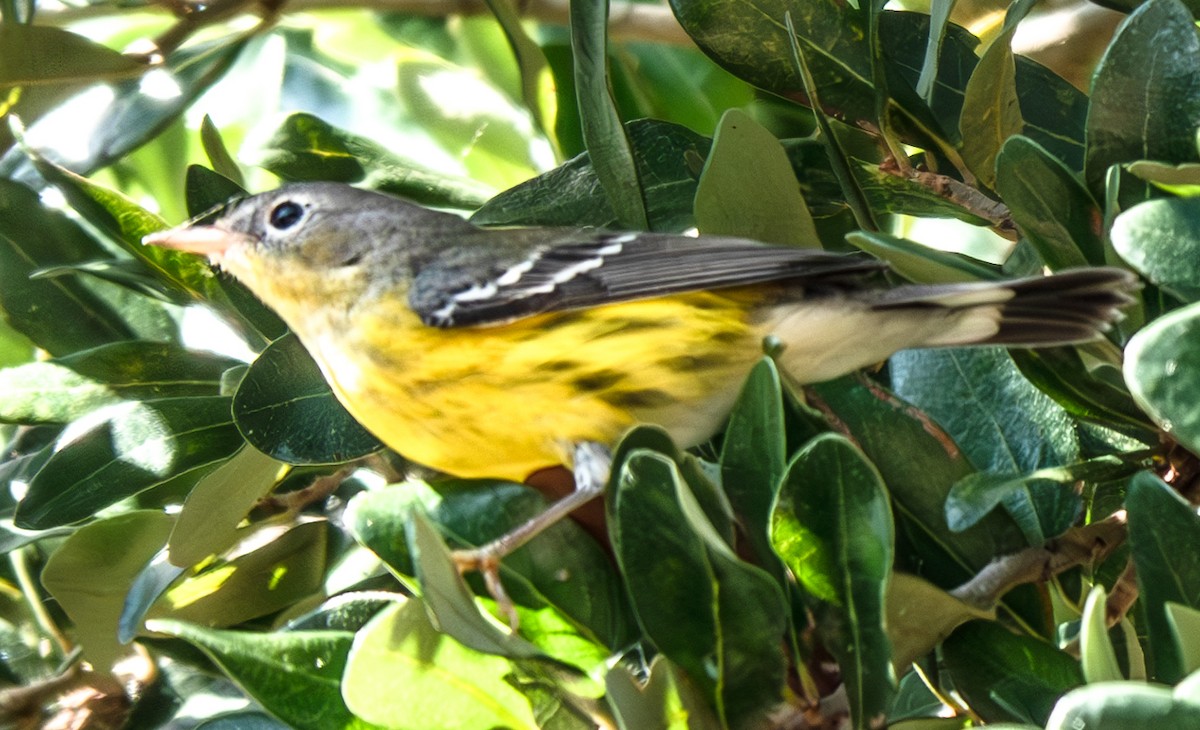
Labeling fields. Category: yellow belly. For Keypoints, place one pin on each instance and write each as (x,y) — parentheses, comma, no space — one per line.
(505,401)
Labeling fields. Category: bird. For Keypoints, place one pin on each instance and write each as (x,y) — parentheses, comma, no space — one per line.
(496,352)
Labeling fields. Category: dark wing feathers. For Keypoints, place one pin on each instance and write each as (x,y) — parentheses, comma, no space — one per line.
(509,279)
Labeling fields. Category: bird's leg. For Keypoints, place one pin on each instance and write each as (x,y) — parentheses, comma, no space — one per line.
(593,462)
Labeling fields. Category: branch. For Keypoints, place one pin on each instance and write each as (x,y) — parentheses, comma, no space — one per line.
(1077,546)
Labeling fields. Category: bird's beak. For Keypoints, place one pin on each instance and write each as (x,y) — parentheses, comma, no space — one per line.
(205,240)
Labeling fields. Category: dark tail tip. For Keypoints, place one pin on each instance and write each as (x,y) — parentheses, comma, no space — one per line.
(1075,305)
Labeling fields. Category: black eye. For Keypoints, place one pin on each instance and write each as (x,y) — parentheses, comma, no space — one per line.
(286,214)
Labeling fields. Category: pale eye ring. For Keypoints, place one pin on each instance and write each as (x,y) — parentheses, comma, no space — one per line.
(286,215)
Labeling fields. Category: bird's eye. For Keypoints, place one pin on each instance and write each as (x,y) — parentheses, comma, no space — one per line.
(286,214)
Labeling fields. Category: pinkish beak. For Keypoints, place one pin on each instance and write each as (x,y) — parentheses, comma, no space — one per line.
(205,240)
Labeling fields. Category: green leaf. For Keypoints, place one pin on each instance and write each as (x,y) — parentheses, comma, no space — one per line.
(1162,369)
(1049,204)
(38,54)
(1185,620)
(1096,655)
(1163,529)
(562,567)
(1122,705)
(657,701)
(1145,92)
(919,263)
(531,62)
(206,190)
(295,675)
(608,144)
(919,478)
(126,118)
(668,159)
(1009,427)
(720,619)
(285,409)
(1094,394)
(218,154)
(273,565)
(833,528)
(124,449)
(66,388)
(748,188)
(91,571)
(1182,180)
(58,314)
(306,147)
(939,21)
(991,111)
(920,616)
(208,522)
(1005,677)
(403,673)
(1161,239)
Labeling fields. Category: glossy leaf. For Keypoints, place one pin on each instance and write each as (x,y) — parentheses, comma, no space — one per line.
(748,189)
(59,314)
(124,449)
(833,528)
(1008,428)
(295,675)
(306,147)
(1145,92)
(1161,239)
(1093,394)
(218,154)
(89,579)
(668,158)
(718,618)
(285,409)
(1006,677)
(403,673)
(1050,205)
(37,54)
(124,116)
(66,388)
(1162,526)
(1162,369)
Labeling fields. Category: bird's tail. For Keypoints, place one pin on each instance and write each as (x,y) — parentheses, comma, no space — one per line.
(1076,305)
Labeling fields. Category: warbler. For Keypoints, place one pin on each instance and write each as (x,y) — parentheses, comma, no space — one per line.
(494,352)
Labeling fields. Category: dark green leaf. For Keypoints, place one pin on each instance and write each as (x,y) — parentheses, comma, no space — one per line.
(1162,368)
(720,619)
(1010,427)
(306,147)
(1161,239)
(127,118)
(1005,677)
(38,54)
(609,147)
(753,454)
(1163,533)
(121,450)
(284,408)
(1084,392)
(66,388)
(1146,92)
(833,529)
(1049,204)
(58,314)
(207,190)
(669,158)
(296,675)
(748,188)
(919,263)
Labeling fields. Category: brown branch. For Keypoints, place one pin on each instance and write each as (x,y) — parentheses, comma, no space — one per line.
(1078,546)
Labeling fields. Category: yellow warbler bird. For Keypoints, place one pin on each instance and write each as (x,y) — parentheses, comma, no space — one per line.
(497,352)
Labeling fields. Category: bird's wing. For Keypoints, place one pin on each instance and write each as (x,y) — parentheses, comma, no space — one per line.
(517,273)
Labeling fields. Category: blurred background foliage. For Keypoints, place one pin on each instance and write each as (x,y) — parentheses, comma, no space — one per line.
(197,535)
